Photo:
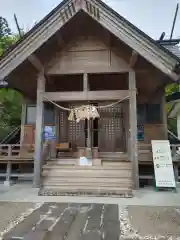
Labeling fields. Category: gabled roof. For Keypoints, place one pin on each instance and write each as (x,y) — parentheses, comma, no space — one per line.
(151,50)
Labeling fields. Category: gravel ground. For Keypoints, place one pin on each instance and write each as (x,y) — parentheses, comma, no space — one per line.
(11,213)
(155,221)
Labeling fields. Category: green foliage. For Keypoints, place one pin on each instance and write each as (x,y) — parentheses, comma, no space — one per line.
(4,28)
(172,123)
(10,99)
(172,88)
(6,42)
(11,111)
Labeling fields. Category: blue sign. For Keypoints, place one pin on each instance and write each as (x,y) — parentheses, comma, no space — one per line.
(49,133)
(140,133)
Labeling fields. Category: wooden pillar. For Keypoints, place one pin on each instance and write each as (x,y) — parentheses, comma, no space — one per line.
(86,89)
(39,129)
(8,182)
(23,119)
(164,115)
(133,149)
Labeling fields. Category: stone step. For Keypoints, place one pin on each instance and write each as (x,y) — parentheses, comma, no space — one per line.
(98,184)
(114,164)
(87,173)
(92,180)
(89,189)
(109,166)
(64,161)
(113,154)
(124,193)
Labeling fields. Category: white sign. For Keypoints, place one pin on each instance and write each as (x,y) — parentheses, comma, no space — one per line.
(83,161)
(163,166)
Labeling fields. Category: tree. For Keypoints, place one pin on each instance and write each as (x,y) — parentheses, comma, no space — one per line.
(10,99)
(172,123)
(4,28)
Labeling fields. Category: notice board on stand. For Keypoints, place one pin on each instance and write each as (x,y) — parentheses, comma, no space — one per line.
(163,166)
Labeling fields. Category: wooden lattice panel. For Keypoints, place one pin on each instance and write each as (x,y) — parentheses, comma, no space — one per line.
(111,129)
(76,132)
(63,126)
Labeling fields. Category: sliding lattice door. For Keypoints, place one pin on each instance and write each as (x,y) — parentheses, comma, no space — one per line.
(111,129)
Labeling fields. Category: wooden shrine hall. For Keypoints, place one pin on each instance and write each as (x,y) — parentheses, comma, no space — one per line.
(84,53)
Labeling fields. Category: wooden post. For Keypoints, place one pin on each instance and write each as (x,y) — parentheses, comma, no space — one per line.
(23,119)
(133,150)
(9,151)
(176,171)
(39,129)
(86,89)
(164,115)
(178,126)
(8,181)
(85,82)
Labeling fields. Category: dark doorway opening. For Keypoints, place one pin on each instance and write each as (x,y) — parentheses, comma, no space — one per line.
(94,131)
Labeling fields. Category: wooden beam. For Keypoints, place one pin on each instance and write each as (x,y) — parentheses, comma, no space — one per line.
(87,96)
(23,119)
(39,129)
(164,115)
(133,59)
(85,82)
(36,62)
(133,149)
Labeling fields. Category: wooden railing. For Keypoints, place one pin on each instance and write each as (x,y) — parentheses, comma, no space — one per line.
(16,151)
(147,149)
(145,157)
(19,154)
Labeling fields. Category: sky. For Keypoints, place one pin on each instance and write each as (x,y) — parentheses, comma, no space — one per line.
(151,16)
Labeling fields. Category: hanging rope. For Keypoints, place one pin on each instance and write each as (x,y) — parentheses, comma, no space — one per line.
(113,104)
(63,108)
(77,108)
(85,111)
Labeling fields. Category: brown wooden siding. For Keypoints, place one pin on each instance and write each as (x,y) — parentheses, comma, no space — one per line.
(153,132)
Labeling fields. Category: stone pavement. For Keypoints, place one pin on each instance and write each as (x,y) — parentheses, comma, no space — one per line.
(73,221)
(11,213)
(149,215)
(69,221)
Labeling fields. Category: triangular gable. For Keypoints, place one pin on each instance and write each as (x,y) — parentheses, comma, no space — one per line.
(108,18)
